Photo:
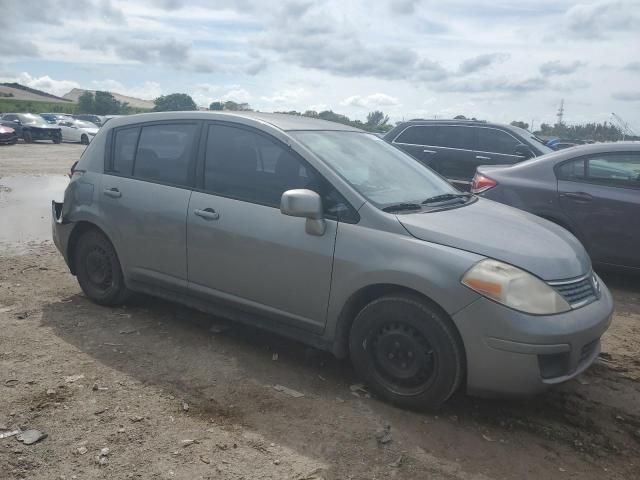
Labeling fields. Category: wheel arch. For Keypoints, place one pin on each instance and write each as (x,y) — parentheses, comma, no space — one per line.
(365,295)
(79,229)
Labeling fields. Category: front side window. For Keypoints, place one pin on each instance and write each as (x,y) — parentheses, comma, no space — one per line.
(616,170)
(496,141)
(165,153)
(416,135)
(248,166)
(378,171)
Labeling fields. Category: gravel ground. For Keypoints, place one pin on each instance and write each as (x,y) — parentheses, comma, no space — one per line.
(170,399)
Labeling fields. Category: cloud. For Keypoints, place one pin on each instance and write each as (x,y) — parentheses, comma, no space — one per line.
(149,90)
(627,96)
(371,101)
(239,95)
(404,7)
(44,83)
(472,65)
(632,67)
(286,96)
(493,84)
(557,67)
(592,21)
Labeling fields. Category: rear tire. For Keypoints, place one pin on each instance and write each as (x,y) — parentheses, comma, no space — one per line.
(98,270)
(26,136)
(57,138)
(84,139)
(407,351)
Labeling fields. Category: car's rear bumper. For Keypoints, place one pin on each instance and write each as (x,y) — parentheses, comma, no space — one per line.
(60,230)
(513,353)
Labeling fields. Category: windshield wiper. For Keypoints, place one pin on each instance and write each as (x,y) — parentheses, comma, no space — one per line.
(400,207)
(445,196)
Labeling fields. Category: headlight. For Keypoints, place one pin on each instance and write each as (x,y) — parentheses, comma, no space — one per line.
(514,288)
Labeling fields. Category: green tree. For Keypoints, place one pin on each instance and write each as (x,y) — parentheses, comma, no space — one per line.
(519,124)
(85,102)
(174,102)
(216,106)
(236,107)
(377,121)
(104,103)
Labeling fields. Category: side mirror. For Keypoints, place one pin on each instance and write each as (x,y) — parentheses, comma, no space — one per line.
(306,204)
(524,151)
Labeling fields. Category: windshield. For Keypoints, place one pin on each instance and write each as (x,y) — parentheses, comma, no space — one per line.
(33,120)
(537,142)
(380,172)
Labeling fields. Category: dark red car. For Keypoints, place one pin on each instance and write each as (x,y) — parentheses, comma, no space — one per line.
(8,135)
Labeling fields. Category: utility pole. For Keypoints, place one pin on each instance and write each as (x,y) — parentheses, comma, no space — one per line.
(560,113)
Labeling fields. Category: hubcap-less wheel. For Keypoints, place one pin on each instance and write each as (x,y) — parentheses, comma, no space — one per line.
(407,350)
(403,357)
(99,268)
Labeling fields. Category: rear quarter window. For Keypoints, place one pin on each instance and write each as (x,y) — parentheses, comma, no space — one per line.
(124,150)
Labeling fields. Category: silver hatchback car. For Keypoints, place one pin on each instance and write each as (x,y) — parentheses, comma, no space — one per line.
(329,235)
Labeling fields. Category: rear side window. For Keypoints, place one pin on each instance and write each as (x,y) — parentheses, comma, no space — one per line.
(418,135)
(165,153)
(573,170)
(616,170)
(454,137)
(496,141)
(124,150)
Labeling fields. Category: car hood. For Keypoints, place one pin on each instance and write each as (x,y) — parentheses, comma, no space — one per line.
(504,233)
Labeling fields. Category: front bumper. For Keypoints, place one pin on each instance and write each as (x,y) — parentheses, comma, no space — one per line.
(513,353)
(60,230)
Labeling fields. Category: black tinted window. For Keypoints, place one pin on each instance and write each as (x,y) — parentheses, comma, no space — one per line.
(165,153)
(453,137)
(418,135)
(248,166)
(615,170)
(496,141)
(571,170)
(124,150)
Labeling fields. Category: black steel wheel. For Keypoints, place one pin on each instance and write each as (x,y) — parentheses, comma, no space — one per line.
(84,139)
(407,351)
(98,269)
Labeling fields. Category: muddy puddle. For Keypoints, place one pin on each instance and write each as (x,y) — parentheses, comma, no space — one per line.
(25,209)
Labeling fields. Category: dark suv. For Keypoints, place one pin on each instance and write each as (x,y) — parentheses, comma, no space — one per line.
(454,148)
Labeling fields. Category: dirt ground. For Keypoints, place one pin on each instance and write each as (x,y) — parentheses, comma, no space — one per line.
(171,399)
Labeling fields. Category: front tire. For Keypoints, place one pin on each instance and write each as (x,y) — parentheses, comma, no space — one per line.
(57,138)
(27,137)
(407,351)
(98,269)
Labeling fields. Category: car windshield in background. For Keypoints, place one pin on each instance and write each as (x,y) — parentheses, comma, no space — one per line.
(36,120)
(539,143)
(378,171)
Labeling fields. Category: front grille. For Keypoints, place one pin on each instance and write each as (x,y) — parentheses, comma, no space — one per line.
(577,293)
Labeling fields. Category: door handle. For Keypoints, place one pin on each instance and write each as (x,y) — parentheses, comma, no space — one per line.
(482,157)
(112,192)
(207,214)
(578,196)
(432,152)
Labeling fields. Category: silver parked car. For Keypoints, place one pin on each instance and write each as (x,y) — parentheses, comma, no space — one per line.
(331,236)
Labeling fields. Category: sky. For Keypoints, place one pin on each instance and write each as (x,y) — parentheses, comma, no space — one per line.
(497,60)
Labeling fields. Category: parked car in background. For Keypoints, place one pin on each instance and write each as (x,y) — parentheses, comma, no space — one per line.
(562,145)
(330,235)
(591,190)
(31,127)
(454,148)
(77,130)
(95,119)
(54,117)
(7,135)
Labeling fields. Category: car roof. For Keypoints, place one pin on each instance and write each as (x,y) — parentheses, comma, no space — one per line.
(281,121)
(581,150)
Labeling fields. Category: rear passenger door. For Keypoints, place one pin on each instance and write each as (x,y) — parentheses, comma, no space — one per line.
(145,194)
(241,250)
(495,147)
(454,145)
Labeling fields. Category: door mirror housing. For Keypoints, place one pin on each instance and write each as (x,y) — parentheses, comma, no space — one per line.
(306,204)
(524,151)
